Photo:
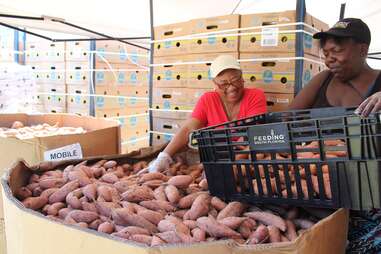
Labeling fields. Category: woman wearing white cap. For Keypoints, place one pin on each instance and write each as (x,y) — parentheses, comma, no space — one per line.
(229,101)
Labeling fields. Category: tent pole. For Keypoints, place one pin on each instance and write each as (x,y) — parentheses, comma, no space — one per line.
(20,17)
(104,39)
(299,45)
(342,11)
(25,31)
(150,89)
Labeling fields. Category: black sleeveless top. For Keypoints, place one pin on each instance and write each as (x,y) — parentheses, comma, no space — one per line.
(321,100)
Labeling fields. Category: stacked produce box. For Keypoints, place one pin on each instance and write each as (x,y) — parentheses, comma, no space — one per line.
(181,70)
(121,79)
(267,48)
(79,81)
(47,61)
(265,43)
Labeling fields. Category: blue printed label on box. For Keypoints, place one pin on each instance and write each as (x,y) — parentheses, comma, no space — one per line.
(267,76)
(100,76)
(133,121)
(121,77)
(121,101)
(100,102)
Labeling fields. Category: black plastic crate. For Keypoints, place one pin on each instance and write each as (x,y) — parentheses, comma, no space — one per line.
(309,139)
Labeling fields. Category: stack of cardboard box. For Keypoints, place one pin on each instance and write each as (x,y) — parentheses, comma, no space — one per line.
(265,43)
(121,87)
(182,56)
(78,77)
(269,41)
(47,61)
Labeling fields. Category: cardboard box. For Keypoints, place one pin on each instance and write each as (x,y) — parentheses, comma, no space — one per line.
(274,39)
(118,52)
(278,101)
(99,132)
(173,72)
(120,74)
(78,99)
(274,75)
(41,50)
(167,125)
(327,236)
(77,51)
(135,143)
(78,73)
(165,46)
(133,126)
(53,73)
(78,111)
(170,98)
(3,242)
(214,41)
(119,102)
(199,73)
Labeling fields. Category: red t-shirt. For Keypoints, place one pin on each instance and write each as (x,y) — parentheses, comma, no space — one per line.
(210,110)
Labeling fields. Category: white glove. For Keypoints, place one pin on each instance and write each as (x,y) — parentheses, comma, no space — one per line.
(161,163)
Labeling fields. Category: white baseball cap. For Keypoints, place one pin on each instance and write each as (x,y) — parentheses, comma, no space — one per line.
(222,63)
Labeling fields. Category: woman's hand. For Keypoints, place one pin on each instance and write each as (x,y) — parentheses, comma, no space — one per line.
(371,105)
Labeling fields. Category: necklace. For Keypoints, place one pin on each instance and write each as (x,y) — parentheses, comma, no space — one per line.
(356,90)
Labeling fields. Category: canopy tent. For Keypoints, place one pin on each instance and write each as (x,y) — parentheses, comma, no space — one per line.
(125,19)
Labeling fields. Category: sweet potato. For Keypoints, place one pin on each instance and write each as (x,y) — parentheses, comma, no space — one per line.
(191,224)
(109,178)
(37,191)
(80,176)
(60,195)
(181,181)
(169,237)
(62,213)
(232,222)
(151,176)
(291,231)
(180,226)
(23,193)
(109,164)
(137,194)
(232,209)
(218,203)
(95,224)
(213,212)
(82,224)
(35,203)
(274,234)
(90,191)
(200,207)
(198,234)
(51,183)
(186,202)
(106,227)
(73,201)
(152,216)
(216,229)
(159,193)
(105,208)
(83,216)
(156,241)
(133,230)
(268,219)
(172,194)
(153,184)
(157,205)
(203,184)
(180,213)
(146,239)
(260,235)
(135,220)
(245,229)
(86,206)
(55,208)
(48,192)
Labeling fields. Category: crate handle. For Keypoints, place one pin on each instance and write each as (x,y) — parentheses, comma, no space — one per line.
(192,142)
(53,68)
(168,66)
(212,27)
(78,91)
(167,126)
(78,67)
(168,33)
(269,23)
(166,96)
(268,64)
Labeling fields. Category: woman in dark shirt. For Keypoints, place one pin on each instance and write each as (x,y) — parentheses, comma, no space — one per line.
(348,82)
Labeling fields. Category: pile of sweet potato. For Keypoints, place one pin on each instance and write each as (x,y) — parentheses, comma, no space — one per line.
(290,171)
(20,131)
(156,208)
